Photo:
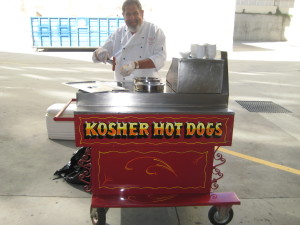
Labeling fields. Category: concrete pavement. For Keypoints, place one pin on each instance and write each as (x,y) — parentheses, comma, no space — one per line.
(31,81)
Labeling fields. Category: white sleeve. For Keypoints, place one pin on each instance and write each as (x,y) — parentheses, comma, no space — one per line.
(160,54)
(109,44)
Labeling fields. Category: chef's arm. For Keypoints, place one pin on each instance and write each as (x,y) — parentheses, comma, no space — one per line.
(127,69)
(144,64)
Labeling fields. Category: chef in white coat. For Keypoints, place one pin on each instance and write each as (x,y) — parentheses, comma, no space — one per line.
(139,46)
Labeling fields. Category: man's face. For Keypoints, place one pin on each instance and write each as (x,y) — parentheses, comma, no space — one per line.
(133,17)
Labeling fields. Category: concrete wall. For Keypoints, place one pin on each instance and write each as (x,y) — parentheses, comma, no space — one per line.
(264,6)
(255,9)
(293,31)
(259,27)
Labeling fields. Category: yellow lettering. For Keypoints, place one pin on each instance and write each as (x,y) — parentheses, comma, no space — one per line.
(200,129)
(190,129)
(102,129)
(210,129)
(90,129)
(133,129)
(144,129)
(169,128)
(178,127)
(111,129)
(158,129)
(121,128)
(219,130)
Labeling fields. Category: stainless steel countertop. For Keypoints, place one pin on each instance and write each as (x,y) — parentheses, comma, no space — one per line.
(131,102)
(152,110)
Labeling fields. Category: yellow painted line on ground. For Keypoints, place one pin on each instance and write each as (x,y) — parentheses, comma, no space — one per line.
(261,161)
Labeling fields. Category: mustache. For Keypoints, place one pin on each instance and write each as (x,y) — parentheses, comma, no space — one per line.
(133,21)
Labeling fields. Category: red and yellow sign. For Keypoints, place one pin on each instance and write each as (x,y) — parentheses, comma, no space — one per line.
(153,129)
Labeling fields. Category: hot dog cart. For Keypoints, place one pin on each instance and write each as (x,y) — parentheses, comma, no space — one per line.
(159,149)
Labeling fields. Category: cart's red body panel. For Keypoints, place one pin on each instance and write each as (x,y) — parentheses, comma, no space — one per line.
(153,159)
(151,169)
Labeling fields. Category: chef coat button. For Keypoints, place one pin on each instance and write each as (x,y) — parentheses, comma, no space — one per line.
(140,57)
(123,48)
(123,58)
(141,46)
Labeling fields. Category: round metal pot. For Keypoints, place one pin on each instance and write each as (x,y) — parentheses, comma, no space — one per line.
(148,87)
(146,79)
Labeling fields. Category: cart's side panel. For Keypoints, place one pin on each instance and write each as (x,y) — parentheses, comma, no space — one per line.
(127,170)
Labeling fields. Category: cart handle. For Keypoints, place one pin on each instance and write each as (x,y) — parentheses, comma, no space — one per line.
(58,118)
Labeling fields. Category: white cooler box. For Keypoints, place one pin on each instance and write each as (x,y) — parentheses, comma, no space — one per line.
(62,130)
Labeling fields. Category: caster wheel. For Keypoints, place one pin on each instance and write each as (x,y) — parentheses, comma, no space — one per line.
(220,215)
(98,215)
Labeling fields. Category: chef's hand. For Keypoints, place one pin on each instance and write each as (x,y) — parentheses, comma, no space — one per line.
(126,70)
(100,55)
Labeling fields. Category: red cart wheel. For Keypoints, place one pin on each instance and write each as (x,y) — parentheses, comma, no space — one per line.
(220,215)
(98,215)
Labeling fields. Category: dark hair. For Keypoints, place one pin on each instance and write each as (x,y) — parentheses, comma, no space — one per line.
(131,2)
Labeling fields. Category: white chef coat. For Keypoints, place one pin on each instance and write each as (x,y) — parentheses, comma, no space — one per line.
(148,42)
